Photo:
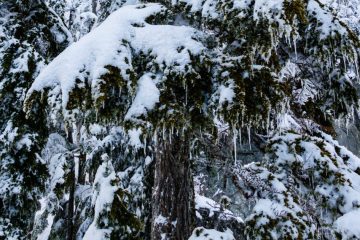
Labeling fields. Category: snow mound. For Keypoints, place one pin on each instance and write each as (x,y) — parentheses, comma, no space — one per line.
(112,43)
(348,225)
(146,97)
(102,199)
(202,202)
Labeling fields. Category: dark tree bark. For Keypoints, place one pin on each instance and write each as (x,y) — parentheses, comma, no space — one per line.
(173,195)
(81,173)
(70,213)
(70,220)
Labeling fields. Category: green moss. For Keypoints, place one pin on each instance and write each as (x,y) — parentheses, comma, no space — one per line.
(122,219)
(7,60)
(294,8)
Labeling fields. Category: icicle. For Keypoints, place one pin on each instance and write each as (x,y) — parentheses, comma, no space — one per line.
(296,55)
(145,144)
(242,117)
(234,142)
(163,132)
(76,168)
(353,115)
(154,138)
(186,94)
(248,128)
(170,140)
(345,65)
(268,122)
(357,69)
(240,140)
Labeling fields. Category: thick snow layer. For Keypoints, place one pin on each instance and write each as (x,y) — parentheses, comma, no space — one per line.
(97,129)
(102,199)
(134,137)
(202,202)
(112,43)
(146,97)
(329,25)
(170,49)
(348,225)
(227,94)
(44,235)
(334,175)
(201,233)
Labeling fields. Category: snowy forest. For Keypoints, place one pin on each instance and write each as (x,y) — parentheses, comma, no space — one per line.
(179,119)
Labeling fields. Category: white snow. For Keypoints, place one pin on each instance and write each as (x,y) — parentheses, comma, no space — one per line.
(170,49)
(160,220)
(226,94)
(25,142)
(20,64)
(102,199)
(112,43)
(97,129)
(196,5)
(202,202)
(201,233)
(44,235)
(209,9)
(148,161)
(349,225)
(146,97)
(134,137)
(329,25)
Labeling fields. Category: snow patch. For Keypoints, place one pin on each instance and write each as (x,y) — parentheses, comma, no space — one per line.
(201,233)
(112,44)
(348,225)
(146,98)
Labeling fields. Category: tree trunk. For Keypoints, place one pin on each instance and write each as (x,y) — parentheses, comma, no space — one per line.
(173,194)
(70,220)
(70,212)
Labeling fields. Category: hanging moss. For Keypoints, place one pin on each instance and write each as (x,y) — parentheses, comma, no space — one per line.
(7,60)
(113,102)
(123,220)
(295,8)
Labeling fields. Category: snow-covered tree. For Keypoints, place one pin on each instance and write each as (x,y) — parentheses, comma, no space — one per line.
(151,93)
(30,36)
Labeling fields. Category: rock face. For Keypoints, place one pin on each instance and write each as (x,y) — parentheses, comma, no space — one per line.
(348,134)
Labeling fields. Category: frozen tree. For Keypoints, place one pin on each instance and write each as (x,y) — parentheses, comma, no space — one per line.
(30,36)
(136,128)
